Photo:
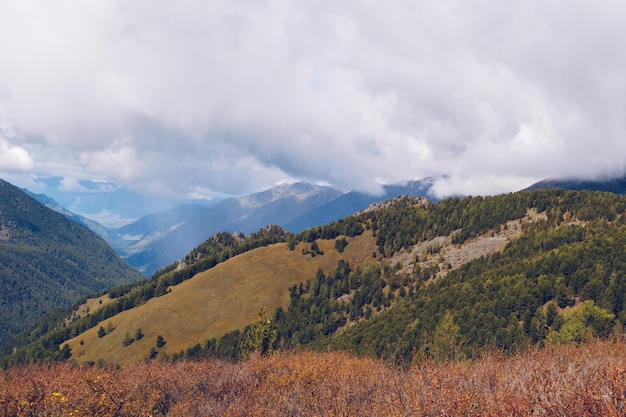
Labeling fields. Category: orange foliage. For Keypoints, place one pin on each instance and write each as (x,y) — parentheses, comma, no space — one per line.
(587,380)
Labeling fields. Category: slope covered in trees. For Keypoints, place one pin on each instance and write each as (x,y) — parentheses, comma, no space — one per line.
(559,278)
(562,280)
(48,261)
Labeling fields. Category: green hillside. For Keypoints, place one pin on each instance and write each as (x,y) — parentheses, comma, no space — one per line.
(403,279)
(559,275)
(562,278)
(48,261)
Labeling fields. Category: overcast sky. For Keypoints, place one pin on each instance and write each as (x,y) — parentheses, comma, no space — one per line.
(197,99)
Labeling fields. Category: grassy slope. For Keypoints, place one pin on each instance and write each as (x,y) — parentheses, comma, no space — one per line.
(214,302)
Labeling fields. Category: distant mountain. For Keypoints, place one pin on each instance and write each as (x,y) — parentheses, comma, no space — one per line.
(110,204)
(354,201)
(48,261)
(159,239)
(110,237)
(612,185)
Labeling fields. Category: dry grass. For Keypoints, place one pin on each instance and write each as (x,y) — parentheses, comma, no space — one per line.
(92,305)
(557,381)
(214,302)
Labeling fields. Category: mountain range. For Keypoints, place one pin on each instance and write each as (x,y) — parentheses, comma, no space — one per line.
(409,277)
(158,239)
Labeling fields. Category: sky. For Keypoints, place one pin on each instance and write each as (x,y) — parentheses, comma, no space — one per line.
(209,99)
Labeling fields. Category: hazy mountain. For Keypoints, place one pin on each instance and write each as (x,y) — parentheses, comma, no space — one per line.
(159,239)
(351,202)
(108,203)
(48,261)
(111,237)
(613,185)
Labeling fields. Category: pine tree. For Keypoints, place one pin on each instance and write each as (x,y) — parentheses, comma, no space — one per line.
(260,337)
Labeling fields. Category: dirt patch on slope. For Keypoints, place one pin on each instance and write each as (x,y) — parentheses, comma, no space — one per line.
(440,255)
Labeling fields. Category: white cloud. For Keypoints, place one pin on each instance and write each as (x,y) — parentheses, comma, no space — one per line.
(215,98)
(71,184)
(14,158)
(110,219)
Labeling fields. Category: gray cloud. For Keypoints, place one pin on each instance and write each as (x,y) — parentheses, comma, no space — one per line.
(217,98)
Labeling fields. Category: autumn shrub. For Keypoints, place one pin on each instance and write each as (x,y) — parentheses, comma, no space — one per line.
(558,380)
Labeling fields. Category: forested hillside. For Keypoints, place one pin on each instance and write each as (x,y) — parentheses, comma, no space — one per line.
(48,261)
(562,280)
(557,274)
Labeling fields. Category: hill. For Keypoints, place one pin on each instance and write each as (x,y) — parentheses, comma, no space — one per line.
(557,278)
(222,299)
(443,281)
(48,261)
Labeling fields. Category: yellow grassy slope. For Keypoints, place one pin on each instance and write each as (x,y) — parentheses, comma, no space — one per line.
(214,302)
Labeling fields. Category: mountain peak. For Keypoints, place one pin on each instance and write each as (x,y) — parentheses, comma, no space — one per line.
(280,191)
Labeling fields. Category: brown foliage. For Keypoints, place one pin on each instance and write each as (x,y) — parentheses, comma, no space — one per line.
(588,380)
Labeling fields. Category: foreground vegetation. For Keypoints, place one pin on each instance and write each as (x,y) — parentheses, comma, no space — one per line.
(585,380)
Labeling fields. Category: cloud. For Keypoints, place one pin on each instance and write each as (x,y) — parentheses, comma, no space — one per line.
(71,184)
(110,219)
(14,158)
(223,98)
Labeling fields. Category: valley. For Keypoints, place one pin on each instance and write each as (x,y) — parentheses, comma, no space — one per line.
(282,208)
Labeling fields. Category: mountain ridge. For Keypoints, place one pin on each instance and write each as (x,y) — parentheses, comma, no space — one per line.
(296,207)
(184,227)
